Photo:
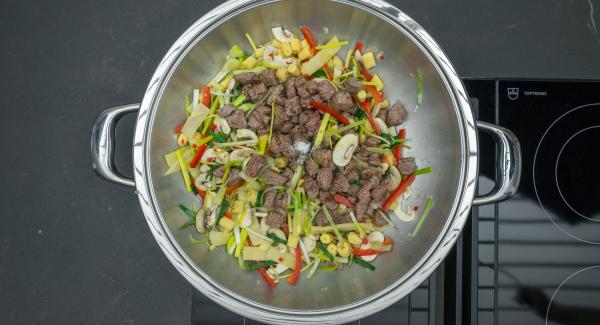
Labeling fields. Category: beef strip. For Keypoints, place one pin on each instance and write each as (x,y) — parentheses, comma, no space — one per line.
(234,176)
(246,78)
(280,200)
(255,165)
(361,211)
(312,87)
(292,106)
(321,220)
(290,88)
(324,178)
(311,167)
(280,142)
(276,96)
(379,193)
(259,122)
(275,219)
(311,188)
(300,84)
(322,157)
(273,178)
(378,220)
(254,92)
(340,183)
(269,78)
(327,199)
(326,89)
(342,101)
(395,114)
(226,110)
(219,172)
(353,85)
(268,199)
(372,142)
(312,125)
(285,127)
(341,217)
(407,165)
(237,120)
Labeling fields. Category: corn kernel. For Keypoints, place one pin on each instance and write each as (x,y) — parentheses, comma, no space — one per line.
(326,238)
(259,52)
(250,62)
(354,238)
(368,60)
(304,54)
(281,162)
(276,43)
(293,69)
(304,44)
(362,95)
(295,45)
(225,82)
(332,249)
(182,140)
(385,104)
(286,49)
(337,62)
(388,157)
(362,138)
(293,240)
(238,206)
(226,223)
(377,82)
(282,73)
(344,249)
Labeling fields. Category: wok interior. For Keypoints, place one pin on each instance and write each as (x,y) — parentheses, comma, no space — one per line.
(433,132)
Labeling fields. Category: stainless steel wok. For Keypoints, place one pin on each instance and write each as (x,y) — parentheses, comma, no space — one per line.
(443,134)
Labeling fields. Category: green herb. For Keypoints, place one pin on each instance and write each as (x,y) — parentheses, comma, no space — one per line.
(423,171)
(364,263)
(428,205)
(356,182)
(256,266)
(319,74)
(196,241)
(239,100)
(259,198)
(220,137)
(222,209)
(360,114)
(187,211)
(419,86)
(211,170)
(324,250)
(276,239)
(329,268)
(187,224)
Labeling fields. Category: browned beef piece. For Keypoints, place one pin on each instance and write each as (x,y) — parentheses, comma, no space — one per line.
(326,89)
(407,165)
(301,90)
(280,142)
(311,188)
(374,158)
(299,137)
(254,92)
(369,173)
(312,86)
(276,96)
(351,174)
(219,172)
(342,101)
(289,173)
(353,85)
(362,153)
(269,78)
(246,78)
(379,193)
(311,167)
(273,178)
(275,219)
(341,217)
(307,114)
(263,109)
(349,168)
(395,115)
(321,220)
(285,127)
(226,110)
(324,178)
(322,157)
(280,200)
(237,120)
(295,119)
(361,211)
(292,106)
(290,88)
(327,199)
(255,165)
(269,199)
(312,125)
(372,142)
(378,220)
(364,194)
(353,192)
(280,116)
(259,122)
(340,183)
(305,102)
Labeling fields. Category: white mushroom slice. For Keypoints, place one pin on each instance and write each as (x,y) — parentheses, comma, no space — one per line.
(202,182)
(382,126)
(263,226)
(241,154)
(201,221)
(222,124)
(270,57)
(367,258)
(246,134)
(282,35)
(309,244)
(212,218)
(395,178)
(219,155)
(405,216)
(376,236)
(344,148)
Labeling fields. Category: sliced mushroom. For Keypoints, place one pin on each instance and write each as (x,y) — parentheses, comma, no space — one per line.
(221,156)
(282,35)
(202,182)
(395,177)
(344,148)
(241,154)
(201,221)
(405,216)
(381,124)
(376,236)
(212,218)
(222,124)
(309,244)
(246,134)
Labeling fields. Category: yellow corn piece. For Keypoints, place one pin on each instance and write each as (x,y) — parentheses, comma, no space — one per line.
(385,104)
(304,44)
(295,45)
(326,238)
(293,240)
(344,249)
(226,223)
(293,69)
(304,54)
(282,73)
(361,95)
(377,82)
(259,52)
(286,48)
(249,63)
(184,170)
(332,249)
(205,141)
(368,60)
(354,238)
(276,43)
(225,82)
(251,195)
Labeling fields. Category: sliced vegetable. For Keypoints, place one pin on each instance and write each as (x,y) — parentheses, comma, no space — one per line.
(251,43)
(331,45)
(282,35)
(206,99)
(320,59)
(321,132)
(308,36)
(399,190)
(324,250)
(419,86)
(343,200)
(423,171)
(364,264)
(267,278)
(255,266)
(423,216)
(374,93)
(293,279)
(401,136)
(184,172)
(344,149)
(330,220)
(327,109)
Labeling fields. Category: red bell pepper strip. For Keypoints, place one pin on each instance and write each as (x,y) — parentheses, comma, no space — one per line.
(228,214)
(397,192)
(266,276)
(388,241)
(364,252)
(309,38)
(365,72)
(326,109)
(397,153)
(234,187)
(358,47)
(201,193)
(376,95)
(293,279)
(343,200)
(366,108)
(206,96)
(198,156)
(179,127)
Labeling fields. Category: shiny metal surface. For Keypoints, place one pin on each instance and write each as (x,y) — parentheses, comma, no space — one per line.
(442,132)
(103,142)
(509,164)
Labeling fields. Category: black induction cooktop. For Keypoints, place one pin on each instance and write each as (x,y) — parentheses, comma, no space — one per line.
(533,259)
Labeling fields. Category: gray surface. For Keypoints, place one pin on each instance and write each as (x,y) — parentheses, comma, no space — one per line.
(75,249)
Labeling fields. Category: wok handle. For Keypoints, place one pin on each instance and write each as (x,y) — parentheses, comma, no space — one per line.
(103,144)
(508,171)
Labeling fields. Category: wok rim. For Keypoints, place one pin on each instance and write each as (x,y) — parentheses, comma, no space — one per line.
(358,309)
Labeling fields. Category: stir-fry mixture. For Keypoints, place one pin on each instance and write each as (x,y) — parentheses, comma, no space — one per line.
(297,157)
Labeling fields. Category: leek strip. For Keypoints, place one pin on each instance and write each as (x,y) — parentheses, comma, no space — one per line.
(271,127)
(316,230)
(237,143)
(208,121)
(184,171)
(332,45)
(257,234)
(386,218)
(333,131)
(330,220)
(240,246)
(251,43)
(321,132)
(419,86)
(428,205)
(357,225)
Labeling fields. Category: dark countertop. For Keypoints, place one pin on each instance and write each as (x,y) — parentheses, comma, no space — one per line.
(75,249)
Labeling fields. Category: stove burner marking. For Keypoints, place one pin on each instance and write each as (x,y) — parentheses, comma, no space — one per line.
(563,283)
